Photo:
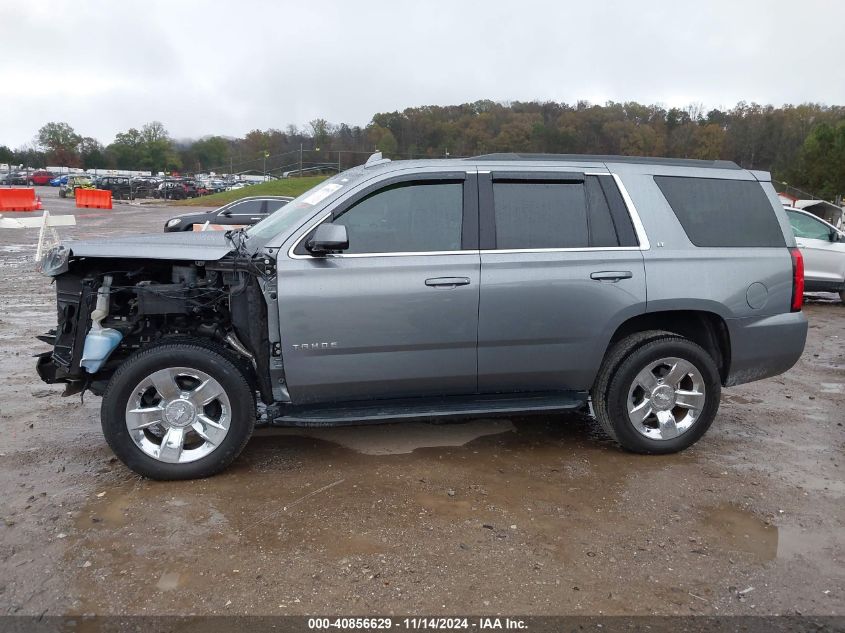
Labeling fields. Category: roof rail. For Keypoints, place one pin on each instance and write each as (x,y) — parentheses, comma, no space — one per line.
(643,160)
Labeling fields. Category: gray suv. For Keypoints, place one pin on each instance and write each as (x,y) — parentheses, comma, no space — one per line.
(497,285)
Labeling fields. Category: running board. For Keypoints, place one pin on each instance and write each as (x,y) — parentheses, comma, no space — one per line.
(375,411)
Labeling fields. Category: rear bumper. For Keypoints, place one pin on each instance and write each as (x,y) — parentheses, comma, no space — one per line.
(762,347)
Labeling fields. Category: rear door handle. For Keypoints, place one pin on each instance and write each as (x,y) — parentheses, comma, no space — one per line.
(611,275)
(447,282)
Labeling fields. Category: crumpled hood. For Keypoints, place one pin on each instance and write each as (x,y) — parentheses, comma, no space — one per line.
(200,245)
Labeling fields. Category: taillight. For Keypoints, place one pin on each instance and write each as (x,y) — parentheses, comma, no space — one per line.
(797,279)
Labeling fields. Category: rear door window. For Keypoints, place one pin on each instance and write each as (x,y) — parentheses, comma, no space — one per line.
(722,213)
(533,214)
(538,214)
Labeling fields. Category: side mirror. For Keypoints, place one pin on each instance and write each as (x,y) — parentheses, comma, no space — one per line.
(328,238)
(835,236)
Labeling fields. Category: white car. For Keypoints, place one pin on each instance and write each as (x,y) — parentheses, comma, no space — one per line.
(823,248)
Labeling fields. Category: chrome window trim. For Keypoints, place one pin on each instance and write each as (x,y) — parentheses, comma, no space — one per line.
(639,229)
(325,216)
(580,249)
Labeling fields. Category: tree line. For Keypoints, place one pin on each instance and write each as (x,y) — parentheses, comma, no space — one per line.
(803,145)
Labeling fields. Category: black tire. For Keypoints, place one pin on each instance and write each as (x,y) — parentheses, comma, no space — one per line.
(620,367)
(199,355)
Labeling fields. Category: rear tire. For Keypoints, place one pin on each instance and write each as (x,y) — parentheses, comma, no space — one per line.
(842,296)
(157,418)
(656,392)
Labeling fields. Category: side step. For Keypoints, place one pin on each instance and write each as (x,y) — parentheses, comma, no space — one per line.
(375,411)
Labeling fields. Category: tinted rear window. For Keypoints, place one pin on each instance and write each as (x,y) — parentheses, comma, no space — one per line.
(717,212)
(540,215)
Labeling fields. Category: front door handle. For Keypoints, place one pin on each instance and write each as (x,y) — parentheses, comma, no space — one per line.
(447,282)
(611,275)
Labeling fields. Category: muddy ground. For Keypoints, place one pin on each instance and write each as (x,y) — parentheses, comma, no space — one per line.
(539,515)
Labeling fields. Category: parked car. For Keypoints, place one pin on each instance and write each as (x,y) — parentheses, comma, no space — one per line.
(59,180)
(497,285)
(238,214)
(142,187)
(171,190)
(120,187)
(190,188)
(74,182)
(15,178)
(40,177)
(823,248)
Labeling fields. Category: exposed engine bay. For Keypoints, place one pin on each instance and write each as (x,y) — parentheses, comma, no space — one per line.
(109,308)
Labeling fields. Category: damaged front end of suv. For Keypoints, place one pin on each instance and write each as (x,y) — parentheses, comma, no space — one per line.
(117,297)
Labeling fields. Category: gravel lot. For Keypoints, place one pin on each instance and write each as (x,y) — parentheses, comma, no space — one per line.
(539,515)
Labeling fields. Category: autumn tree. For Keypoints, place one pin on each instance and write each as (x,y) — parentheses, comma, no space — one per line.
(60,142)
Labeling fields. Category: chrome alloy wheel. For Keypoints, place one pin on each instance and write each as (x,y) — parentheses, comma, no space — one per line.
(666,398)
(178,415)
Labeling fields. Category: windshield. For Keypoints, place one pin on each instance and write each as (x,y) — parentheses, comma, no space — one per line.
(297,210)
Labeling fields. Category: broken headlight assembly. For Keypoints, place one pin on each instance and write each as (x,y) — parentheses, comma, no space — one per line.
(55,262)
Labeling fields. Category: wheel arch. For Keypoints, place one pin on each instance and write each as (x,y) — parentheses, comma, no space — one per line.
(707,329)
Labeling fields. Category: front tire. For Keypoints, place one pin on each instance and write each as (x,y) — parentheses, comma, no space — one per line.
(656,393)
(178,411)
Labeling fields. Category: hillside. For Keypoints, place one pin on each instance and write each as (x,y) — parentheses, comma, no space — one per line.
(286,187)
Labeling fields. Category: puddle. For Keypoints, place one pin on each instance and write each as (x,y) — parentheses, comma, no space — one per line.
(397,439)
(738,530)
(168,581)
(832,387)
(734,398)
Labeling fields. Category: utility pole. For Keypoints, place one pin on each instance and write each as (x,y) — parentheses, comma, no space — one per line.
(300,160)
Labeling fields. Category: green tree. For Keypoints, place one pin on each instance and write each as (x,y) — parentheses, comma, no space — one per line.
(92,153)
(822,160)
(127,149)
(158,152)
(382,139)
(211,153)
(320,131)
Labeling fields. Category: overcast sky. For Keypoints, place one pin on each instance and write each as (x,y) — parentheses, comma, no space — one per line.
(215,67)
